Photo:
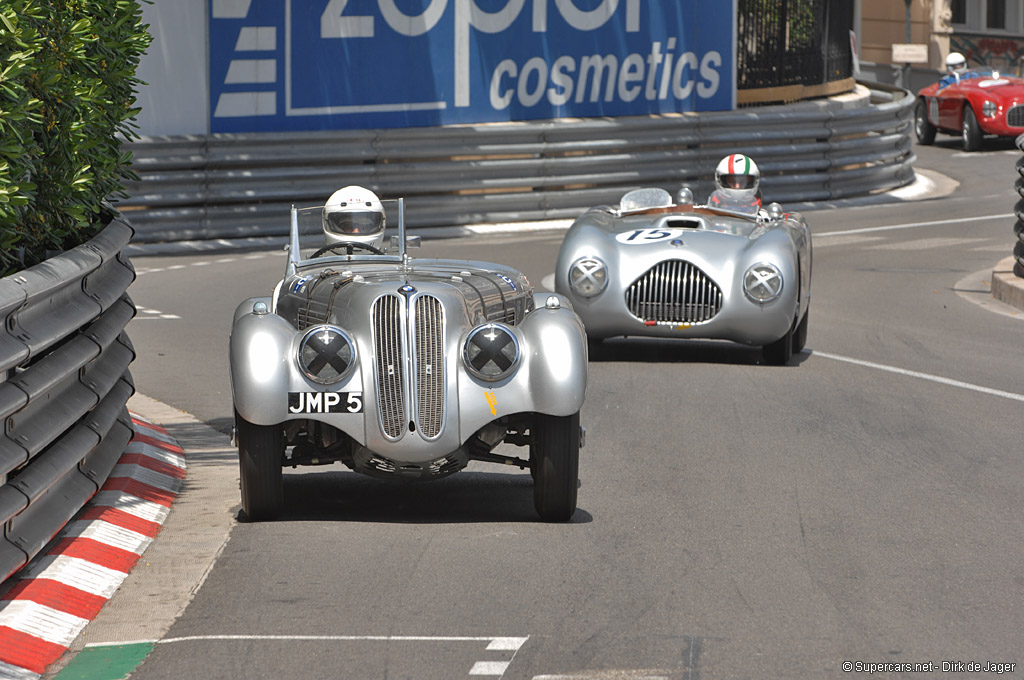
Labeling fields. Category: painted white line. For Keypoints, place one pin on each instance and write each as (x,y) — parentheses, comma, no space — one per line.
(41,622)
(924,244)
(77,573)
(914,225)
(146,476)
(157,454)
(148,510)
(9,672)
(510,644)
(923,376)
(489,668)
(109,534)
(324,638)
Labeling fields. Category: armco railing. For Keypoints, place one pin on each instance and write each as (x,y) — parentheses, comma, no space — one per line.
(1018,228)
(64,384)
(229,186)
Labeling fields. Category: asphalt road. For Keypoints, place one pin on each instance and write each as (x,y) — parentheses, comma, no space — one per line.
(735,520)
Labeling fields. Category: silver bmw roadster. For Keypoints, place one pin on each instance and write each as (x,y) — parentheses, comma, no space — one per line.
(403,368)
(656,267)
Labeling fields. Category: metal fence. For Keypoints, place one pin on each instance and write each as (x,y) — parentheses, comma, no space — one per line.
(793,42)
(1018,228)
(63,389)
(231,186)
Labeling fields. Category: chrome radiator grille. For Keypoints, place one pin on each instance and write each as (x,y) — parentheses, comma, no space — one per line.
(388,352)
(428,318)
(1015,116)
(674,291)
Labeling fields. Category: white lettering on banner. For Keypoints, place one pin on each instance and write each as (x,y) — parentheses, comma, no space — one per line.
(333,25)
(600,77)
(604,75)
(412,25)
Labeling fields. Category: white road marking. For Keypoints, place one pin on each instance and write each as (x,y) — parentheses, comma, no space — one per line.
(489,668)
(913,225)
(109,534)
(846,240)
(922,376)
(924,244)
(77,573)
(41,622)
(145,313)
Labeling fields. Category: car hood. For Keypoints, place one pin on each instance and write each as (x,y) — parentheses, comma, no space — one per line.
(342,292)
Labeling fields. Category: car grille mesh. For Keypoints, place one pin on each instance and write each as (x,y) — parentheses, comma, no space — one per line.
(430,369)
(387,333)
(1015,116)
(674,291)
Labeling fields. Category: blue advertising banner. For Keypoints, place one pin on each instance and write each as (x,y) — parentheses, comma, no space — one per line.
(281,65)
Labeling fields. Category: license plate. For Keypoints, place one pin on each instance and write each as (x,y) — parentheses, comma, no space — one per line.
(325,402)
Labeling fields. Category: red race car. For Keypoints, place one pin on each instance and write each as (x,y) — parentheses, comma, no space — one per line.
(976,103)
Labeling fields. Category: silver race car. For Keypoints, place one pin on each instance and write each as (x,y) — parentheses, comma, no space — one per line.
(654,267)
(403,368)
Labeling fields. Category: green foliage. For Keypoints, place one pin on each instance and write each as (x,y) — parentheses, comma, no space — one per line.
(67,96)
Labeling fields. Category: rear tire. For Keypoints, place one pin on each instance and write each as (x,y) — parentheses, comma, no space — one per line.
(923,129)
(260,454)
(970,132)
(555,458)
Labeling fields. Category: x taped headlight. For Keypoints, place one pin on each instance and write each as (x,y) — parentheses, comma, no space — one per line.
(588,276)
(326,354)
(988,109)
(491,352)
(762,282)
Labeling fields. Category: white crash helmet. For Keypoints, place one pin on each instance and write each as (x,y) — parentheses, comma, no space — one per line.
(737,177)
(956,63)
(354,214)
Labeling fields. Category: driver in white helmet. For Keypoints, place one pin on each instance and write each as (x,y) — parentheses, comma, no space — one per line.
(956,69)
(737,182)
(354,215)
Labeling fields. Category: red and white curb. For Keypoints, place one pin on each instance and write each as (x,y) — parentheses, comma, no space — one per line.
(63,589)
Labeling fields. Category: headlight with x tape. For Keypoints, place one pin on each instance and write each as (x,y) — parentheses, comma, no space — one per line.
(326,354)
(762,282)
(588,276)
(491,352)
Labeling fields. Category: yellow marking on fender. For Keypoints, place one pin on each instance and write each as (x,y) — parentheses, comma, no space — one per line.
(683,326)
(492,401)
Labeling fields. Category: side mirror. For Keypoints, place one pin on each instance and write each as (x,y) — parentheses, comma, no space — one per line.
(410,242)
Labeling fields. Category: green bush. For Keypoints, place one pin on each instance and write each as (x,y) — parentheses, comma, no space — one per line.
(67,96)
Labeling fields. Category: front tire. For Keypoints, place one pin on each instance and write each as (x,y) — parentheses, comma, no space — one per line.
(970,132)
(779,352)
(555,458)
(800,334)
(923,129)
(260,453)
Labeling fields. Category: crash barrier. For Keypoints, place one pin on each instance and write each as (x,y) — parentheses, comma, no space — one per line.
(1018,228)
(63,389)
(241,185)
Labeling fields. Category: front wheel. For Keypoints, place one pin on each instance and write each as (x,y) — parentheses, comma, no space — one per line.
(779,352)
(923,129)
(260,454)
(800,334)
(555,459)
(971,133)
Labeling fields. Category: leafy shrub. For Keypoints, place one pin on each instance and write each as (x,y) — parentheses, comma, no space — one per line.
(67,96)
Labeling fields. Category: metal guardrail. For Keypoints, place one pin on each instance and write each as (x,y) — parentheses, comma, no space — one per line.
(241,185)
(1018,228)
(64,384)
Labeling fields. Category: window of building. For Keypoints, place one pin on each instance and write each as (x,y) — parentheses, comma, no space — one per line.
(995,16)
(959,8)
(988,16)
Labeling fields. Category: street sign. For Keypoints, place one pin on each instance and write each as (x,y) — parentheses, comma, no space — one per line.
(909,53)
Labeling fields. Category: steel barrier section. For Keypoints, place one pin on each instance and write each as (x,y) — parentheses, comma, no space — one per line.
(64,388)
(242,185)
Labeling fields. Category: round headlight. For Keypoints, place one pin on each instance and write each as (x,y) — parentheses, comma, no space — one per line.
(762,282)
(588,276)
(326,354)
(989,109)
(491,352)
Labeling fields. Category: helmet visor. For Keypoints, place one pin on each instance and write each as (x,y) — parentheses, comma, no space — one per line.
(737,181)
(351,223)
